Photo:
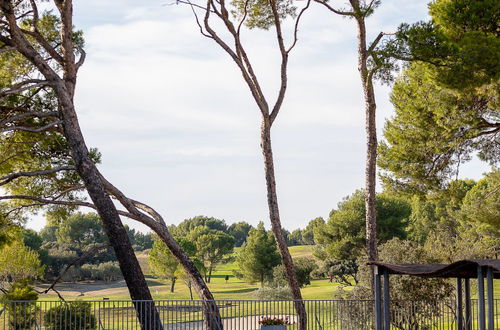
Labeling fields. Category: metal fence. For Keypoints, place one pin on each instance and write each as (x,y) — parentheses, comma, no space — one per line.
(236,314)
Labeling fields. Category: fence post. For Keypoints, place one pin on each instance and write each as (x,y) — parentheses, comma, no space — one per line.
(459,304)
(480,297)
(387,305)
(468,316)
(489,283)
(378,298)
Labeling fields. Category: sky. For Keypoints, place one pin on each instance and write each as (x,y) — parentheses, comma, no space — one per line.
(178,129)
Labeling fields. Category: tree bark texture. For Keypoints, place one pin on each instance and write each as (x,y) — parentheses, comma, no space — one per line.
(371,137)
(85,167)
(274,215)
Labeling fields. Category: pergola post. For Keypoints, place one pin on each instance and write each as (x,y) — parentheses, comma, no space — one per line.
(491,302)
(480,298)
(459,304)
(387,298)
(468,316)
(378,298)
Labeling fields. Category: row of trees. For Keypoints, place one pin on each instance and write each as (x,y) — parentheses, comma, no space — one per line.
(45,160)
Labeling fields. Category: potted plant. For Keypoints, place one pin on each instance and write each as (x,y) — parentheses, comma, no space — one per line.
(274,323)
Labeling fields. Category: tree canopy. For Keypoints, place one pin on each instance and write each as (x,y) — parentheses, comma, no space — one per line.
(258,256)
(446,100)
(343,236)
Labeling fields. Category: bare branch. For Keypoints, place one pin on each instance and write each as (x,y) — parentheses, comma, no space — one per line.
(83,55)
(8,178)
(31,130)
(336,11)
(36,114)
(48,201)
(23,86)
(284,63)
(35,15)
(375,42)
(6,49)
(296,27)
(197,19)
(51,50)
(245,13)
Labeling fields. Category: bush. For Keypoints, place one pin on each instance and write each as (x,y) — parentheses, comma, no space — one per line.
(303,269)
(106,271)
(21,315)
(277,293)
(73,315)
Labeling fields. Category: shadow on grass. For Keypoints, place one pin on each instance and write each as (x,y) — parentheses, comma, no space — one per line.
(235,291)
(154,282)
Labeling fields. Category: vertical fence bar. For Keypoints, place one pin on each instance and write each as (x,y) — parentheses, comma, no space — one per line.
(387,318)
(480,297)
(489,288)
(459,304)
(378,305)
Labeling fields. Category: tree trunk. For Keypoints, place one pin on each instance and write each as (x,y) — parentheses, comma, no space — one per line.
(113,226)
(210,269)
(371,140)
(211,312)
(274,215)
(190,290)
(172,285)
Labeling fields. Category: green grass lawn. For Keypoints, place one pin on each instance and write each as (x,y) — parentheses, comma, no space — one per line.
(233,289)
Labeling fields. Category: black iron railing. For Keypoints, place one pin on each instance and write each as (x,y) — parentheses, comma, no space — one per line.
(235,314)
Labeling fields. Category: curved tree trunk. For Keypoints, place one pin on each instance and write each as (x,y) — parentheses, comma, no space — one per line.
(274,215)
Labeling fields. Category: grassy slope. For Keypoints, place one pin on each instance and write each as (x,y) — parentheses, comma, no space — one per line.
(233,289)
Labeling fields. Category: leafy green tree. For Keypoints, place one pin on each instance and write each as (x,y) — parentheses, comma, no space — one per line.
(434,130)
(295,237)
(20,315)
(258,256)
(48,234)
(19,262)
(437,211)
(303,269)
(144,241)
(308,232)
(239,230)
(212,247)
(31,239)
(481,203)
(81,229)
(343,236)
(188,225)
(447,100)
(340,271)
(164,264)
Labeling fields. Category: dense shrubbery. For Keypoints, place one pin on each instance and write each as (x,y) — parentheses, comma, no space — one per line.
(73,315)
(21,316)
(273,293)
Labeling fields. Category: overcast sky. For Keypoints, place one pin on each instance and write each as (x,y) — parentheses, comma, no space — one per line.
(178,129)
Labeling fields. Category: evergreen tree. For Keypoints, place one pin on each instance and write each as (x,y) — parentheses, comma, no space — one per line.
(258,256)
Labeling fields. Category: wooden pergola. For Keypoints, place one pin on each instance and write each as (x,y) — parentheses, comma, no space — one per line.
(462,270)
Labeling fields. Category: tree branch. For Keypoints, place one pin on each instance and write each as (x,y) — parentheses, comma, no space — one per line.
(23,86)
(27,114)
(8,178)
(31,130)
(296,27)
(336,11)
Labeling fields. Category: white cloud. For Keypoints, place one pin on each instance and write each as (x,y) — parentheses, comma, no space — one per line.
(179,130)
